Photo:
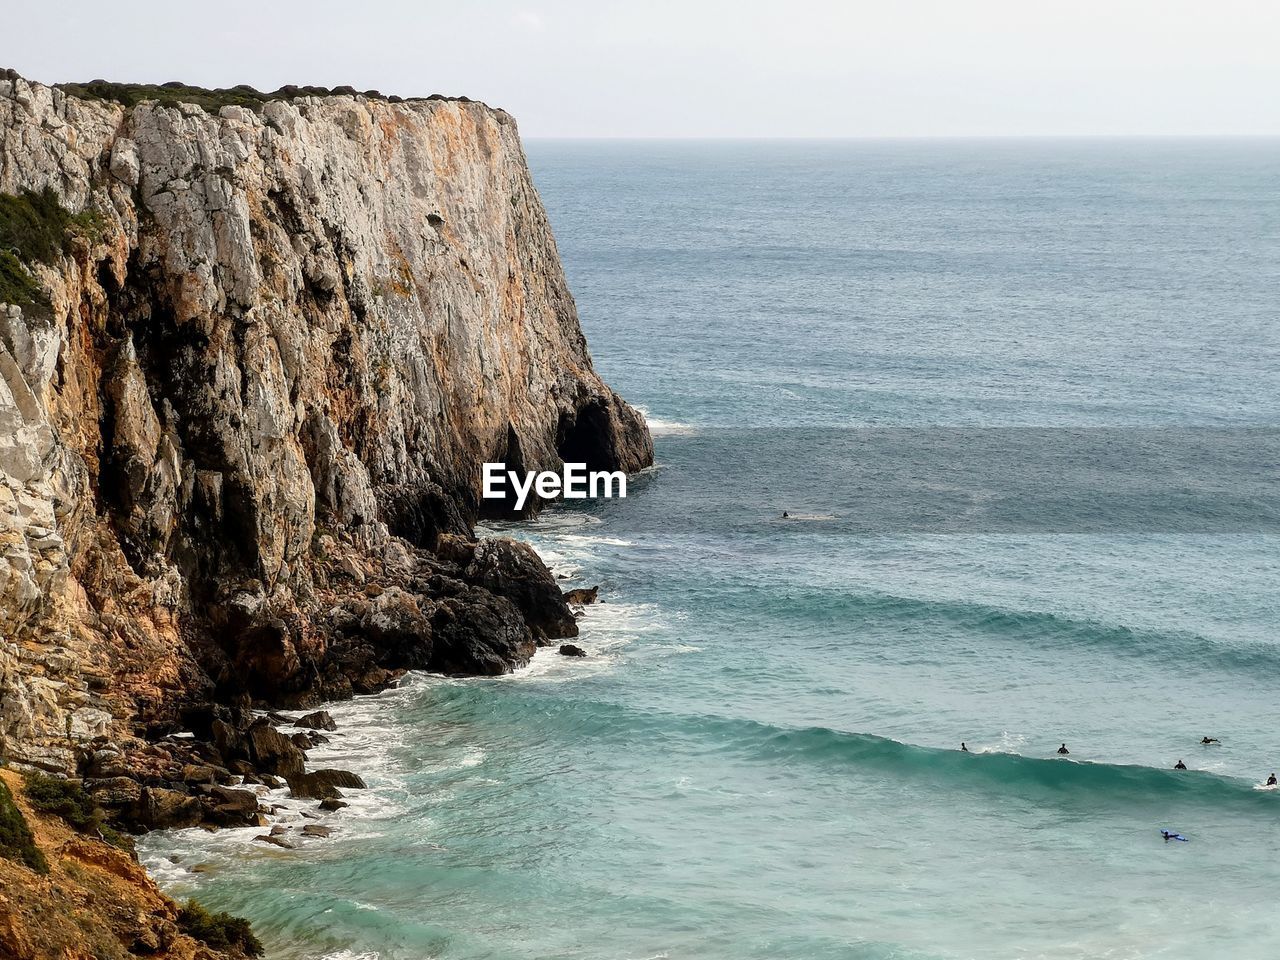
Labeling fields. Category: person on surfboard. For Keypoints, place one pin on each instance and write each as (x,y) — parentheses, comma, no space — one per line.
(963,748)
(1063,751)
(1271,780)
(1179,765)
(1207,740)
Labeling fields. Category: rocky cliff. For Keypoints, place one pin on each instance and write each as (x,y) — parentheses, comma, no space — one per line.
(246,383)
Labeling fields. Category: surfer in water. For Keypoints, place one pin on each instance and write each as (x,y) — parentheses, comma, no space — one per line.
(785,515)
(1207,740)
(1179,765)
(1271,780)
(963,748)
(1063,751)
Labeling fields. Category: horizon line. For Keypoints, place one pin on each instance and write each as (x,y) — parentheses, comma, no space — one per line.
(902,136)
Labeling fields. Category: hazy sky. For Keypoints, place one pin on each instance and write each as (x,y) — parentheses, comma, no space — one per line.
(697,68)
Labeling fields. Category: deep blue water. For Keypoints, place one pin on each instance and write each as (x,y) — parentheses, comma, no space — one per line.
(760,757)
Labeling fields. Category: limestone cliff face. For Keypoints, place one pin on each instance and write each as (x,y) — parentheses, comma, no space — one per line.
(259,396)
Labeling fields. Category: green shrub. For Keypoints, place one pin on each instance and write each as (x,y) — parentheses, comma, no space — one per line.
(16,842)
(221,931)
(36,227)
(62,798)
(17,285)
(168,94)
(210,100)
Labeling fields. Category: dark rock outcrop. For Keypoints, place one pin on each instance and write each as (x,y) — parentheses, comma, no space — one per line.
(320,720)
(324,784)
(478,633)
(582,595)
(571,650)
(513,570)
(273,752)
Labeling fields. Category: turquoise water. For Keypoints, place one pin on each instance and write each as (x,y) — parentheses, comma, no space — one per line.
(760,757)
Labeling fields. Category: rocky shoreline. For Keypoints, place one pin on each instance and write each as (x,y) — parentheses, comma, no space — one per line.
(196,772)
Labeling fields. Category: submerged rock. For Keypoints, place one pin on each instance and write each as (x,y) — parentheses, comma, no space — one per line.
(570,650)
(277,841)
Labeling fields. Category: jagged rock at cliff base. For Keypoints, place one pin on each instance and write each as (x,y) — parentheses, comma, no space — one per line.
(478,633)
(273,752)
(513,570)
(159,809)
(319,720)
(571,650)
(582,595)
(324,784)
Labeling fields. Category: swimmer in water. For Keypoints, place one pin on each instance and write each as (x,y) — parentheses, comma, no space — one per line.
(1210,740)
(1179,765)
(963,748)
(1271,780)
(1063,751)
(785,515)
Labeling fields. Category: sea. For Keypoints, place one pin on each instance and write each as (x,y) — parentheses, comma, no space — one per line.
(1020,401)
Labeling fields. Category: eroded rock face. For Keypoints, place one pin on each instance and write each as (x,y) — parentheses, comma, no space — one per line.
(260,396)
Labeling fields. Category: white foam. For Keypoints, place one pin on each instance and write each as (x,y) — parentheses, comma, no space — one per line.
(660,427)
(1008,743)
(369,735)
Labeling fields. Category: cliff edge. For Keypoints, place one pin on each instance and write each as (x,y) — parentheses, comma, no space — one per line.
(250,364)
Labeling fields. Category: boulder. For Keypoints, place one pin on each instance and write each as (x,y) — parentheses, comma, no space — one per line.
(582,595)
(320,720)
(161,809)
(228,741)
(333,804)
(455,549)
(196,773)
(324,784)
(114,792)
(514,570)
(273,752)
(316,830)
(477,633)
(232,808)
(571,650)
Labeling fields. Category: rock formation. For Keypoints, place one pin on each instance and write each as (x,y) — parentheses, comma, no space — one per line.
(242,417)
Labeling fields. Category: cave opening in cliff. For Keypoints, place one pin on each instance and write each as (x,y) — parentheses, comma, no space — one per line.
(506,508)
(587,437)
